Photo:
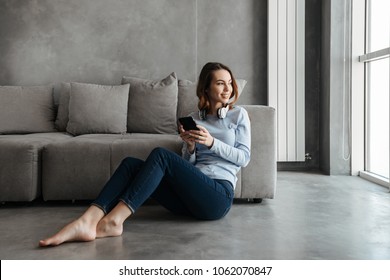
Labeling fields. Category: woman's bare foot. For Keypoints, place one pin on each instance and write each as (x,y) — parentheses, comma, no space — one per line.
(82,229)
(106,228)
(75,231)
(112,224)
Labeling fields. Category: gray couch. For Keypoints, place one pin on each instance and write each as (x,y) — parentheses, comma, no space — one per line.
(69,150)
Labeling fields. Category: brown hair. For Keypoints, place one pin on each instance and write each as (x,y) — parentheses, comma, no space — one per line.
(204,83)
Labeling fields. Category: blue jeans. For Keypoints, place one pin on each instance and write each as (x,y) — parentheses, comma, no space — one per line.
(172,181)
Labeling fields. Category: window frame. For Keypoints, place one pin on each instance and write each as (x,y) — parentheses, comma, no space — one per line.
(359,91)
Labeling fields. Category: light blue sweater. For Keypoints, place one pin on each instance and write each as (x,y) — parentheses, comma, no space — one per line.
(231,147)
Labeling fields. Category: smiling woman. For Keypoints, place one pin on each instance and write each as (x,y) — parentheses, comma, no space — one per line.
(200,184)
(217,89)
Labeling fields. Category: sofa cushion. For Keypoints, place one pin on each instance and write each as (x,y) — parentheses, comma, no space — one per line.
(26,109)
(97,108)
(187,99)
(20,168)
(78,168)
(140,145)
(241,83)
(63,107)
(259,176)
(152,105)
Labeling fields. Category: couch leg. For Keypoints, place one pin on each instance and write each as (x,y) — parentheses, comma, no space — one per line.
(247,200)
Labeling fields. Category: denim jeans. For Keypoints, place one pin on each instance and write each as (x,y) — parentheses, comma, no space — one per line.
(172,181)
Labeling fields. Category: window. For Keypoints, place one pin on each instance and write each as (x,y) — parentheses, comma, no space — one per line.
(378,25)
(377,90)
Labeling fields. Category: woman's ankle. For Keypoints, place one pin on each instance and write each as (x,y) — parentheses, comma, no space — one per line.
(112,223)
(108,227)
(92,215)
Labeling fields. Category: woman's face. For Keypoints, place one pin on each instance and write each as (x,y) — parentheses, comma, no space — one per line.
(220,88)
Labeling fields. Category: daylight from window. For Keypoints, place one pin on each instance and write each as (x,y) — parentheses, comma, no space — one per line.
(377,86)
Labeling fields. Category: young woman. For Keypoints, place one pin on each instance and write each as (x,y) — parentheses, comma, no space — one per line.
(199,184)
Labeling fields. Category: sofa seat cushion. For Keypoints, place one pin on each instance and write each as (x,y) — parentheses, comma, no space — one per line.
(140,145)
(78,168)
(20,168)
(75,169)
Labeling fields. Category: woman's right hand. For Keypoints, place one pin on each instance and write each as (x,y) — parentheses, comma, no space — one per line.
(188,139)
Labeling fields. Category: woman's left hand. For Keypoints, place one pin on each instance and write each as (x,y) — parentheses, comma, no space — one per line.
(202,136)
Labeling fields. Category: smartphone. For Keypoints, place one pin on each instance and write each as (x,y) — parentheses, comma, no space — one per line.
(188,123)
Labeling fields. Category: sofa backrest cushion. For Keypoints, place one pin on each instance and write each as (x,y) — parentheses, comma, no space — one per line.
(63,107)
(187,99)
(152,105)
(26,109)
(97,108)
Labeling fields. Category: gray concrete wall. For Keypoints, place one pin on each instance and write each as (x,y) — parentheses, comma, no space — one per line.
(235,31)
(99,41)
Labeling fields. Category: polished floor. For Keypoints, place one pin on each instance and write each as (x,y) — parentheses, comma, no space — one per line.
(312,217)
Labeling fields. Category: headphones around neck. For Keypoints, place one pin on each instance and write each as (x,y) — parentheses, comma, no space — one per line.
(221,113)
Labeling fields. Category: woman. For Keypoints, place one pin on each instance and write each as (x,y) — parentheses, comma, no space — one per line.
(199,184)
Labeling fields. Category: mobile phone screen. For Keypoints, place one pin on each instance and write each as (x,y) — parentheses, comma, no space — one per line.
(188,123)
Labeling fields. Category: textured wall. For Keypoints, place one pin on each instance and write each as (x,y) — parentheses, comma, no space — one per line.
(235,32)
(99,41)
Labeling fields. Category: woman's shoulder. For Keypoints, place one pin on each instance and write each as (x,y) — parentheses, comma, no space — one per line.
(239,111)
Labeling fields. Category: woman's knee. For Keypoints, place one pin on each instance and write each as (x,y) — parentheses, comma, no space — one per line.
(131,162)
(159,151)
(214,217)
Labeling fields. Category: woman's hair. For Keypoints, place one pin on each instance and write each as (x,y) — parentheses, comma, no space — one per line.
(204,82)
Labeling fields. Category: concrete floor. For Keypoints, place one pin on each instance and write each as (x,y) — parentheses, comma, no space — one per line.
(312,217)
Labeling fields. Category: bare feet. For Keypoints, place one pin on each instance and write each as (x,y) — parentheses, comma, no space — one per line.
(112,224)
(75,231)
(82,229)
(90,225)
(106,228)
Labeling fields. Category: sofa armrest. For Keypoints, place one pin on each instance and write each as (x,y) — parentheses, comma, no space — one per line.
(258,179)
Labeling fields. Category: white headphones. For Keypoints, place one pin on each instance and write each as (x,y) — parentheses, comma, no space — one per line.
(221,113)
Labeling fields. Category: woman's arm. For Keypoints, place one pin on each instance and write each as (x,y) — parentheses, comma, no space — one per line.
(191,157)
(240,153)
(188,150)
